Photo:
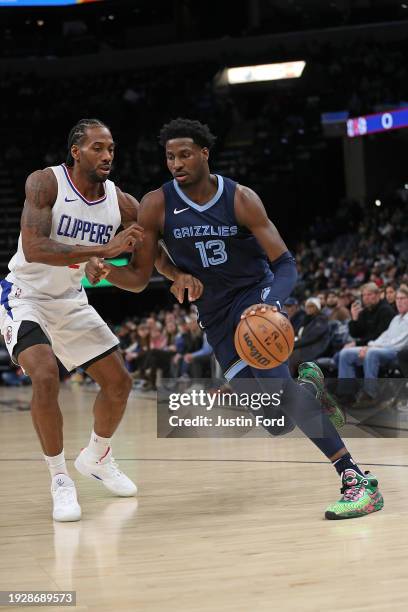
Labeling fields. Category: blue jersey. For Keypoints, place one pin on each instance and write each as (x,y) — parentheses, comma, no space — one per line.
(207,242)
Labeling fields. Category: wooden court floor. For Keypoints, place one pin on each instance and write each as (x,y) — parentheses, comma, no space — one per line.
(219,525)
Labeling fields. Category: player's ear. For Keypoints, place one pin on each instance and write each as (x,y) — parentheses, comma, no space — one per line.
(75,152)
(205,152)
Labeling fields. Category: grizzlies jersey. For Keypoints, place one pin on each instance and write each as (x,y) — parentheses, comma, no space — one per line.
(75,221)
(207,242)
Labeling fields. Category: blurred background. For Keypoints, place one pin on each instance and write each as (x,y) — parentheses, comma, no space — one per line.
(325,151)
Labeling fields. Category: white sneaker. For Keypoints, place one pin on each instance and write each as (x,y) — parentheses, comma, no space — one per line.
(66,507)
(107,471)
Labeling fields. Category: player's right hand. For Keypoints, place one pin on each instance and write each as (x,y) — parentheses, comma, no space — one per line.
(261,307)
(96,270)
(125,241)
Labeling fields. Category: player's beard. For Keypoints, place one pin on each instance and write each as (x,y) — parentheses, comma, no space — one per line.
(96,178)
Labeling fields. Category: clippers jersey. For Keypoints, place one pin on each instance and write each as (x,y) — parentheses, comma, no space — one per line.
(75,221)
(207,242)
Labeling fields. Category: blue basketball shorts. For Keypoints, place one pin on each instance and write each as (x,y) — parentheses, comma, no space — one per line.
(220,330)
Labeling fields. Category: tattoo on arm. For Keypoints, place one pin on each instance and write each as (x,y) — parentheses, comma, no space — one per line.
(36,224)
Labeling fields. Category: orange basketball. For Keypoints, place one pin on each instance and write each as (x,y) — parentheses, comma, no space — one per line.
(264,340)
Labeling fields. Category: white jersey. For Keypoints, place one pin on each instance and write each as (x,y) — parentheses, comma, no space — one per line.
(75,221)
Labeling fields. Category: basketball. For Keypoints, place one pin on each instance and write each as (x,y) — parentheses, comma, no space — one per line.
(264,340)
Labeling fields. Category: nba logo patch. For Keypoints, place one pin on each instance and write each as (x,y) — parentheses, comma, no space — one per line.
(9,334)
(264,293)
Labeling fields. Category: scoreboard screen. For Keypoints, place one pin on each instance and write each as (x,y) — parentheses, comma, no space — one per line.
(379,122)
(11,3)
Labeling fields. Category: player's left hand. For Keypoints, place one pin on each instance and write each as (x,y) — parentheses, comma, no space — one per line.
(258,308)
(189,282)
(96,270)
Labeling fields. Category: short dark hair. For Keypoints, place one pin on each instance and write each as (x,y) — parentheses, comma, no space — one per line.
(78,132)
(187,128)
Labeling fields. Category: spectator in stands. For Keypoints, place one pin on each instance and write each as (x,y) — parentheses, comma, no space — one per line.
(158,340)
(200,360)
(160,357)
(390,292)
(324,300)
(135,353)
(346,298)
(183,345)
(337,312)
(295,312)
(369,318)
(377,353)
(313,338)
(198,351)
(123,336)
(15,377)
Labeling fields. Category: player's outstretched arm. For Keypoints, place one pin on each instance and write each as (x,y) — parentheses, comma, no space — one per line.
(136,274)
(250,212)
(129,209)
(36,223)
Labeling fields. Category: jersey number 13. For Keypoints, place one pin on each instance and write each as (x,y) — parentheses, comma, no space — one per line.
(212,253)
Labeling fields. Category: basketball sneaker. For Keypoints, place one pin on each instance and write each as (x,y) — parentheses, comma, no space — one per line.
(360,496)
(66,507)
(107,471)
(310,372)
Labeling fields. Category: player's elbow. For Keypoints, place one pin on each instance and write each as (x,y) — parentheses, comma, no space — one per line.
(33,254)
(139,277)
(140,286)
(29,252)
(139,283)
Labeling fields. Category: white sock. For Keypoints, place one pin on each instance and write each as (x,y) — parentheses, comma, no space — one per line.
(56,464)
(98,446)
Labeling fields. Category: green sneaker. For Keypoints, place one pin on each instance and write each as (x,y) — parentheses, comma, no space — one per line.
(360,496)
(311,373)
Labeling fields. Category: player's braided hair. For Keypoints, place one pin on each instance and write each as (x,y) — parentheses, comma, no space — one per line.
(187,128)
(78,132)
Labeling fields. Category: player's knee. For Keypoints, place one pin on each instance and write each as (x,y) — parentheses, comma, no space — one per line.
(127,383)
(45,379)
(118,387)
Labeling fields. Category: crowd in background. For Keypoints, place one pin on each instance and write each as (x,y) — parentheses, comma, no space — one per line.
(271,140)
(366,244)
(359,332)
(166,343)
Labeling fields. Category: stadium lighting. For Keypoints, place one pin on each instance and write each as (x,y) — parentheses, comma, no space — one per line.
(377,202)
(265,72)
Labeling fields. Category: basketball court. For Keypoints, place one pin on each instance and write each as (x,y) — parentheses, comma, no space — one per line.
(219,524)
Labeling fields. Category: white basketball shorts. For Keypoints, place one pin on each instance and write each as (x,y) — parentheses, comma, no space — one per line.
(76,332)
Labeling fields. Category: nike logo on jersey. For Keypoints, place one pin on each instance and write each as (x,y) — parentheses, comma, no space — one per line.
(177,212)
(68,200)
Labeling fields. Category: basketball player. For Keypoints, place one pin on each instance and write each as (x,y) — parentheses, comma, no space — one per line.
(219,231)
(71,213)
